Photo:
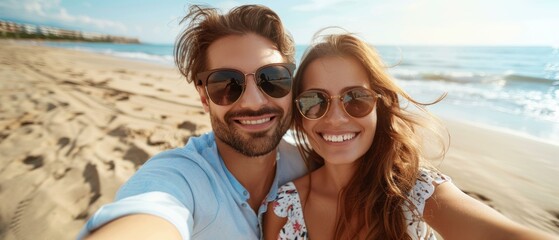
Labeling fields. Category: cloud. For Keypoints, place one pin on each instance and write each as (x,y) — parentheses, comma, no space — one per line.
(51,10)
(64,16)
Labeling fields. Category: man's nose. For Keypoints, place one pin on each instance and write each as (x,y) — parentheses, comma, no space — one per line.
(253,97)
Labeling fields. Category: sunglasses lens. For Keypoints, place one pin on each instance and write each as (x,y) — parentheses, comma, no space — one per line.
(274,81)
(225,87)
(359,102)
(312,104)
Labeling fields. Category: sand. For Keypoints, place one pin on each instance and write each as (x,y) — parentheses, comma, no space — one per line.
(74,126)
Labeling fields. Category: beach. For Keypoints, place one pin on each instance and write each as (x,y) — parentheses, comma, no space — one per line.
(74,126)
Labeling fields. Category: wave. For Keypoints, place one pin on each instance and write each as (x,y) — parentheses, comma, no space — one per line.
(143,56)
(470,77)
(541,104)
(135,55)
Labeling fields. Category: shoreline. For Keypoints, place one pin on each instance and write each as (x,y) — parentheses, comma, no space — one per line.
(544,129)
(503,130)
(75,125)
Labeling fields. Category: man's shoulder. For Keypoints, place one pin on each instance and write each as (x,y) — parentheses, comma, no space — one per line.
(196,151)
(174,171)
(291,164)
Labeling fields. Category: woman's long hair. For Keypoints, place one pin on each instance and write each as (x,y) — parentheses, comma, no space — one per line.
(372,205)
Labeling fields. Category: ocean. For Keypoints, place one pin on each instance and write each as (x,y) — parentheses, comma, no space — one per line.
(515,89)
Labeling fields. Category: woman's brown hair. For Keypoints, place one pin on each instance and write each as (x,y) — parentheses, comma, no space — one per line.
(206,25)
(373,203)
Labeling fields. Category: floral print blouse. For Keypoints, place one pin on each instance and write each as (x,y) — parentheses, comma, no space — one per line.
(288,204)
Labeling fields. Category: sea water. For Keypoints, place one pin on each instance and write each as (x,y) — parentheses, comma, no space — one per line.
(507,87)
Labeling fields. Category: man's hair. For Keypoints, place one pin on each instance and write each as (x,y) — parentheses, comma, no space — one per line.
(206,25)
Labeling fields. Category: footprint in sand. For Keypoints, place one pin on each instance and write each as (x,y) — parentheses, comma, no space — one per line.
(156,138)
(18,220)
(555,214)
(34,161)
(62,142)
(136,155)
(91,177)
(26,123)
(103,83)
(163,90)
(3,136)
(50,107)
(188,126)
(76,114)
(121,132)
(146,84)
(123,97)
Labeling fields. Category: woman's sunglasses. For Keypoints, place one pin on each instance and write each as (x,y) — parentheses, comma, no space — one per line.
(356,102)
(225,86)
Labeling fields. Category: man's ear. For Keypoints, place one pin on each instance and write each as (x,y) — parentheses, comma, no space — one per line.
(203,98)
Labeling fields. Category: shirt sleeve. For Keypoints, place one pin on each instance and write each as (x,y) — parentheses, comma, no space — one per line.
(425,187)
(160,204)
(161,187)
(283,201)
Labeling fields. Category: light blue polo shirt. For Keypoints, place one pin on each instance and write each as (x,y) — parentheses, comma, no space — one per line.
(191,188)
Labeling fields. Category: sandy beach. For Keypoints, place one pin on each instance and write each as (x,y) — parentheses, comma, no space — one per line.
(74,126)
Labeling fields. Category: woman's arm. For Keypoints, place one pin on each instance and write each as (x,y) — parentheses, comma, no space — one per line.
(272,223)
(455,215)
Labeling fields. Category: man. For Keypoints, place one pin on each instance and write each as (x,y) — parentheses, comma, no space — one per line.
(218,185)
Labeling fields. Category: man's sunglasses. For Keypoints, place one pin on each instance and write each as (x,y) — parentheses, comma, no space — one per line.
(356,102)
(225,86)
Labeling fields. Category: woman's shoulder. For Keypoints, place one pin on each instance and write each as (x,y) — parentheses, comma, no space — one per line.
(288,188)
(430,176)
(427,181)
(286,199)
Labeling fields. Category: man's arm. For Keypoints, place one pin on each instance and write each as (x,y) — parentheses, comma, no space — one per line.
(456,215)
(137,226)
(140,217)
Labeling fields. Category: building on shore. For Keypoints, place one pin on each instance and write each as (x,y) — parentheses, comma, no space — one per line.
(29,31)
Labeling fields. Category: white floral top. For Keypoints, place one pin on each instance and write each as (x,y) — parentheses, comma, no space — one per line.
(288,204)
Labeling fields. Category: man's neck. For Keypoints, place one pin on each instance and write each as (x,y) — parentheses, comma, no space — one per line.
(256,174)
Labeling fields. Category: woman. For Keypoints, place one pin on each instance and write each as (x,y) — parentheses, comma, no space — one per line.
(372,182)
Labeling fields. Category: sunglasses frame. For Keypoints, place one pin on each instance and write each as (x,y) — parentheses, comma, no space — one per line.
(203,78)
(339,97)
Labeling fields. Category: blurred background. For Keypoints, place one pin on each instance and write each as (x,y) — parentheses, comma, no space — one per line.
(498,60)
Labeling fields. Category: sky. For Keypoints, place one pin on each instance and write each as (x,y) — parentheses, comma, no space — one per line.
(386,22)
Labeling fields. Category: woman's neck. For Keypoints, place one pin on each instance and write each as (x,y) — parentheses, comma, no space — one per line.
(337,176)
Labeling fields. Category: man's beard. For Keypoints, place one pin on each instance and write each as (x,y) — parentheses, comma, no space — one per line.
(256,144)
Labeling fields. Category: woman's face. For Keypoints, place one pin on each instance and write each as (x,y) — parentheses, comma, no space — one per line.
(338,137)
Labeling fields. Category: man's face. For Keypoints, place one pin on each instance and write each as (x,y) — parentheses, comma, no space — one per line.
(256,122)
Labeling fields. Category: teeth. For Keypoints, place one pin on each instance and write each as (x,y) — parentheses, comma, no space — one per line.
(338,138)
(254,122)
